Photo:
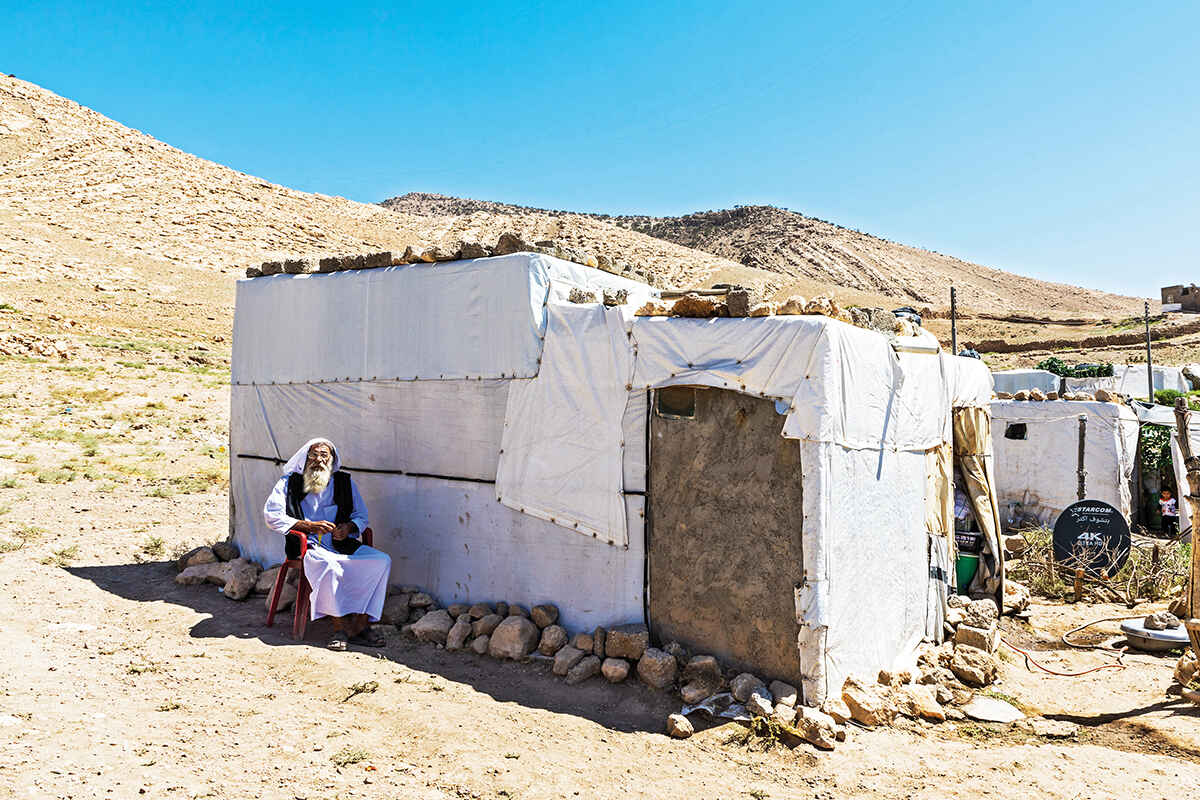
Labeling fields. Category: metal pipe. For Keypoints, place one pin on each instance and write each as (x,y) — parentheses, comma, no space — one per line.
(1149,364)
(953,323)
(1082,471)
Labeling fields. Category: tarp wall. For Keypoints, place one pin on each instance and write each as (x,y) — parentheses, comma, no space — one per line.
(1038,476)
(453,539)
(1130,380)
(1022,380)
(969,381)
(863,603)
(483,318)
(865,414)
(562,447)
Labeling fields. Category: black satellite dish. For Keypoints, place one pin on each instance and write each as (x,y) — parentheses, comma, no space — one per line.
(1091,535)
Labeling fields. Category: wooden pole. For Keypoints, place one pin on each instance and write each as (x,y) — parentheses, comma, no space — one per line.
(953,323)
(1149,365)
(1183,416)
(1082,489)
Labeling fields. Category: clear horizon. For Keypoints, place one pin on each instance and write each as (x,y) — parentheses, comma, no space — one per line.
(1055,142)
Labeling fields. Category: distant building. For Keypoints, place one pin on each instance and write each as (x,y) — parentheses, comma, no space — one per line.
(1181,298)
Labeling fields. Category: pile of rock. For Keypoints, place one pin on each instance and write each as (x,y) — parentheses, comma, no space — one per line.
(1187,674)
(741,302)
(419,254)
(973,637)
(944,682)
(238,578)
(1037,395)
(30,344)
(220,564)
(509,631)
(615,654)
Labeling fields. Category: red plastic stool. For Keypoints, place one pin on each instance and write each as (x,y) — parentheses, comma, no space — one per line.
(303,590)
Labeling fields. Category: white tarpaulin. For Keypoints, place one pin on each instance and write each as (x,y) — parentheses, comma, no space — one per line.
(563,445)
(462,319)
(562,452)
(969,381)
(453,539)
(866,416)
(447,428)
(1022,380)
(1037,475)
(424,452)
(863,536)
(843,384)
(1130,380)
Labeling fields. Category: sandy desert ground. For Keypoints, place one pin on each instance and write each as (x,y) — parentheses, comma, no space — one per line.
(120,683)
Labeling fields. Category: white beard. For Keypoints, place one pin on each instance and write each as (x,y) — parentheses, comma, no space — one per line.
(315,480)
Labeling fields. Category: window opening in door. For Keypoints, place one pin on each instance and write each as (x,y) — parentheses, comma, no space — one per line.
(676,402)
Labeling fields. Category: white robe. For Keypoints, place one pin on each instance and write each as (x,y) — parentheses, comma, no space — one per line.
(341,584)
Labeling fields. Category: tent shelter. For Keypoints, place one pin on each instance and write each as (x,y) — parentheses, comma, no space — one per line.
(1130,380)
(766,489)
(1023,380)
(1037,464)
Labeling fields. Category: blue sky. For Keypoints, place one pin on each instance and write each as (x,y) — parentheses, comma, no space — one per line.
(1058,140)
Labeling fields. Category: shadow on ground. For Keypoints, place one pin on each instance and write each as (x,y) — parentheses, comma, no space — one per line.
(1127,730)
(626,707)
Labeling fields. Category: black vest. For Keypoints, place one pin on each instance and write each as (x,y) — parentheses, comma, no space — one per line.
(343,498)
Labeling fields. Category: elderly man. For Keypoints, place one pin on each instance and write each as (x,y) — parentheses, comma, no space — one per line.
(348,578)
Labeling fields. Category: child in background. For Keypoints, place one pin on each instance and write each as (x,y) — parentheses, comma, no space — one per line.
(1170,512)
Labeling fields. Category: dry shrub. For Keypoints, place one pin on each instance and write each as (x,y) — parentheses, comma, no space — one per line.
(1151,572)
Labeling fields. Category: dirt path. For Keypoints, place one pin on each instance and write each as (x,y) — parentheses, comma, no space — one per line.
(119,683)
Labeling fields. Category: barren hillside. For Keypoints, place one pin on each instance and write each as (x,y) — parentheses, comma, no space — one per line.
(105,228)
(84,196)
(806,250)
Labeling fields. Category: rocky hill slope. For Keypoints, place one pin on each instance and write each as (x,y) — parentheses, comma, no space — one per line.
(810,251)
(84,197)
(105,227)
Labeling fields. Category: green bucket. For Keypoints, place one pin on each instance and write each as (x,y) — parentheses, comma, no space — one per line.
(965,568)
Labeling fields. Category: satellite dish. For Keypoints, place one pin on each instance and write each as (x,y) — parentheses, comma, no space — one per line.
(1091,535)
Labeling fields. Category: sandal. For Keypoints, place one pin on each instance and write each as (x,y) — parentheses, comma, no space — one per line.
(369,637)
(339,641)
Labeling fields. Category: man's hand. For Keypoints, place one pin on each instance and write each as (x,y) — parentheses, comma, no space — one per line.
(345,529)
(315,527)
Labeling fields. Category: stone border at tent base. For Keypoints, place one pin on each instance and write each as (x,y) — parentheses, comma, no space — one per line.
(945,680)
(943,683)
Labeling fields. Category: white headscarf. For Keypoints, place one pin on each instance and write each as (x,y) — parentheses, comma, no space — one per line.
(296,462)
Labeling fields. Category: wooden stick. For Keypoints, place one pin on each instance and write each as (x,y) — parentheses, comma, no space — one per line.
(1183,418)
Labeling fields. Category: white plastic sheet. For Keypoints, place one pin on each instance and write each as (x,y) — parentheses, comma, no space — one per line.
(563,446)
(448,428)
(563,450)
(463,319)
(1022,380)
(969,381)
(1038,475)
(1130,380)
(843,384)
(862,606)
(453,539)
